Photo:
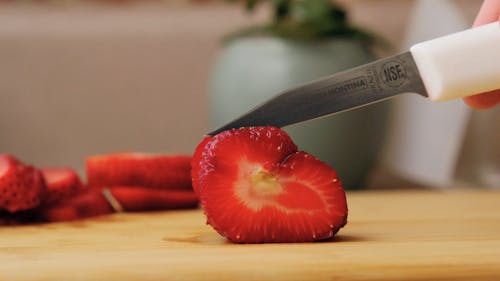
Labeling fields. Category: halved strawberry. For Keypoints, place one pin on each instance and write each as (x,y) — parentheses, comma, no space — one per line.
(21,186)
(256,187)
(156,171)
(61,183)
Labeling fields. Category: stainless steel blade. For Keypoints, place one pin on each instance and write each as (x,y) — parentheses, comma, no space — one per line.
(345,90)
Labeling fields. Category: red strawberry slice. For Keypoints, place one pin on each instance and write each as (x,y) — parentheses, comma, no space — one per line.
(61,183)
(138,169)
(88,204)
(21,186)
(137,199)
(255,187)
(96,202)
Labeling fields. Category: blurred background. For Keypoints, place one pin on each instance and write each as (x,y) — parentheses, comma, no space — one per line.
(79,78)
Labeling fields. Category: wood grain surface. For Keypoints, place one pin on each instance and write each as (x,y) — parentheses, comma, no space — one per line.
(411,235)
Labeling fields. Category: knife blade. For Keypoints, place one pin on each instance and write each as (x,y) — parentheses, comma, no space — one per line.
(448,67)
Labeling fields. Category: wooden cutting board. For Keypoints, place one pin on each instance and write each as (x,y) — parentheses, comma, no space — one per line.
(417,235)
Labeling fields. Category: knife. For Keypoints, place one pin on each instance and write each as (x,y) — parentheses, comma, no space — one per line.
(448,67)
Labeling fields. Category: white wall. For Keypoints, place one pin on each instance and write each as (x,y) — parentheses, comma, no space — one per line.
(81,79)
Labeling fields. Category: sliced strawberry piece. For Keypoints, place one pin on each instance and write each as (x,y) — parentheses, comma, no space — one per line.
(61,183)
(137,199)
(96,202)
(138,169)
(90,203)
(21,186)
(255,187)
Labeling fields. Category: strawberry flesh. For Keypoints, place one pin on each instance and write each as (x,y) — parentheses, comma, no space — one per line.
(138,169)
(93,202)
(137,199)
(256,187)
(90,203)
(61,183)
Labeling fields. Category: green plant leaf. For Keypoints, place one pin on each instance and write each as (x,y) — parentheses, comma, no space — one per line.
(306,20)
(251,4)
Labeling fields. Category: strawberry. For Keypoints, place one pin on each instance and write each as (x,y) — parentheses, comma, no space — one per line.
(21,186)
(61,183)
(137,169)
(95,202)
(136,199)
(256,187)
(87,204)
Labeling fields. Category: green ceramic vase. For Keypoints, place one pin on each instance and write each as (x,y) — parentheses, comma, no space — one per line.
(251,70)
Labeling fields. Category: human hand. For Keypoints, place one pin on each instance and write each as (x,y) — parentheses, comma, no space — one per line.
(489,12)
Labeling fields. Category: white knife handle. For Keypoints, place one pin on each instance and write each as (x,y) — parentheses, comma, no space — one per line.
(461,64)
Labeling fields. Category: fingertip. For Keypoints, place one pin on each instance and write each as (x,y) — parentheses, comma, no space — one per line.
(489,12)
